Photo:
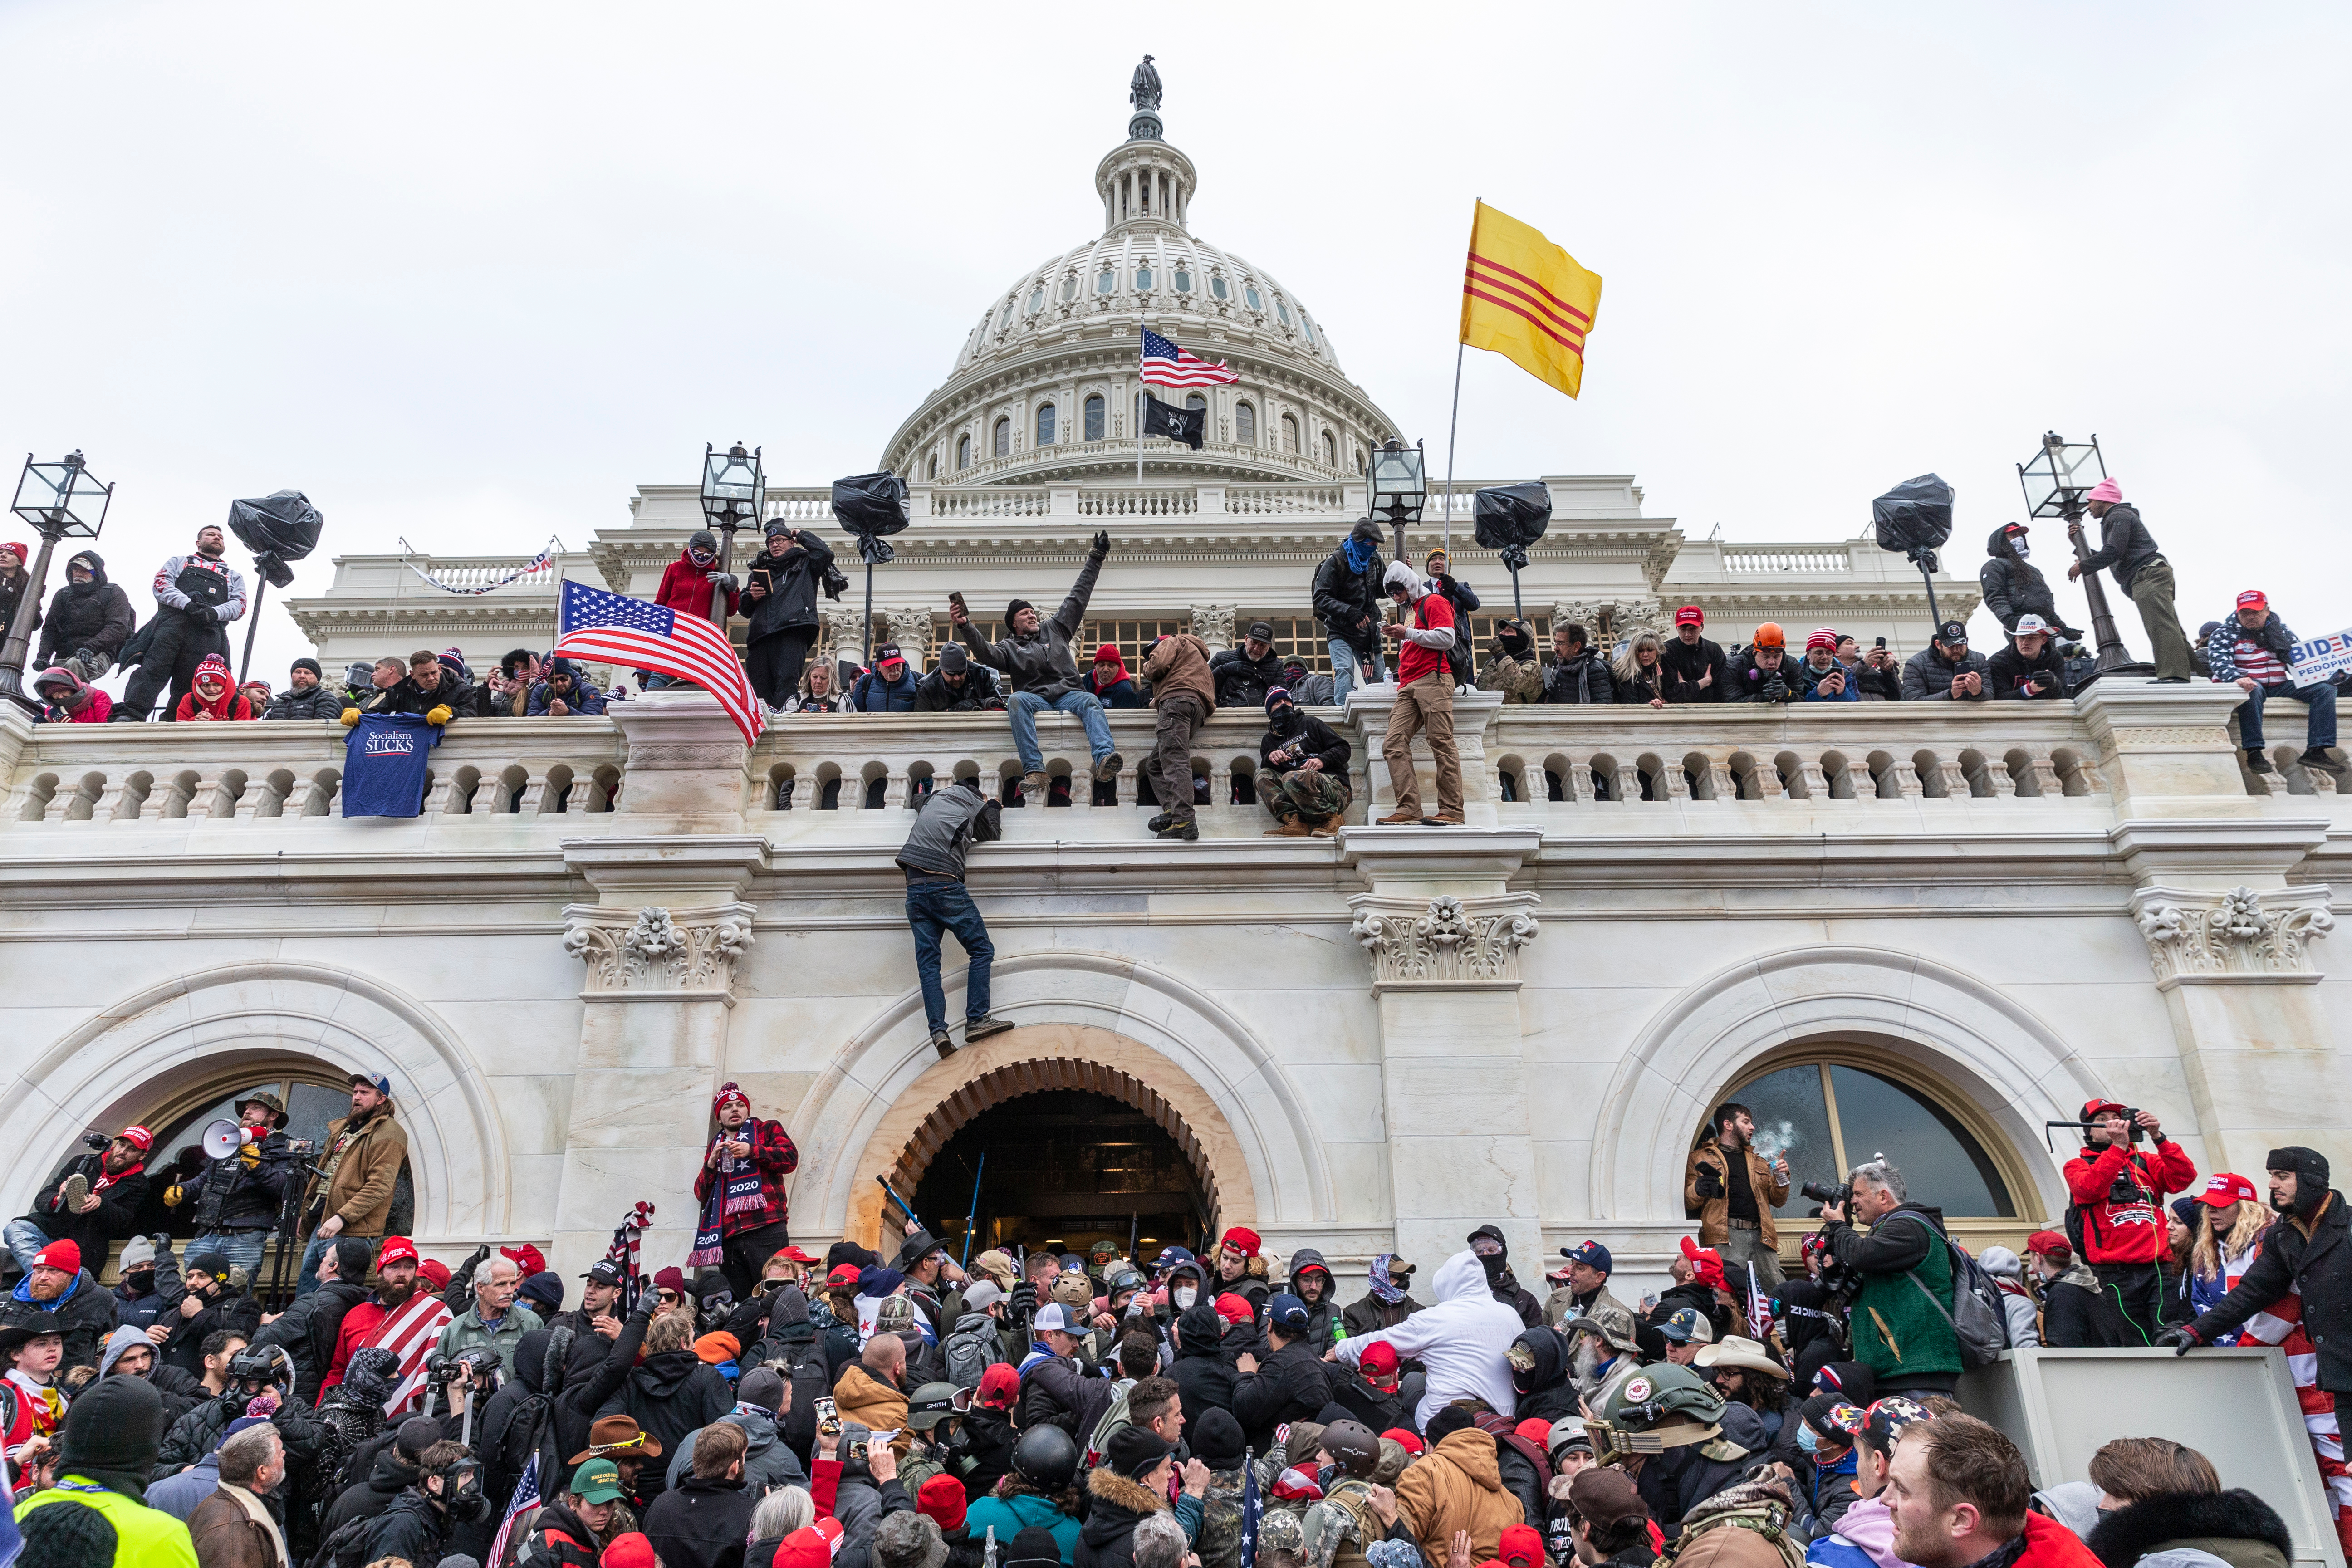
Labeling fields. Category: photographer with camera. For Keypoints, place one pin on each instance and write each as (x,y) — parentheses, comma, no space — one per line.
(2116,1220)
(1731,1190)
(236,1198)
(360,1163)
(1901,1319)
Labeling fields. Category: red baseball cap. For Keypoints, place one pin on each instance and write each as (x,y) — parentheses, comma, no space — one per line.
(1410,1442)
(1521,1547)
(397,1249)
(2092,1107)
(844,1277)
(432,1269)
(813,1547)
(2254,599)
(1242,1239)
(1234,1310)
(1000,1387)
(140,1136)
(2048,1241)
(791,1255)
(1379,1359)
(2223,1188)
(631,1549)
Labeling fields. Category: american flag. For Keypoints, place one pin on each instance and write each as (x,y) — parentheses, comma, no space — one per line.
(1165,365)
(526,1498)
(612,628)
(410,1332)
(1760,1310)
(1252,1507)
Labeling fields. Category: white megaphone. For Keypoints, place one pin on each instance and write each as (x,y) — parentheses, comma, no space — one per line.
(222,1139)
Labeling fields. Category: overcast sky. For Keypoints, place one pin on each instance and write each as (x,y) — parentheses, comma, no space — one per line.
(469,274)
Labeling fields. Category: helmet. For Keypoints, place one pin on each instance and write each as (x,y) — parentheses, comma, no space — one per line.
(1123,1280)
(1074,1290)
(1771,636)
(1047,1457)
(1652,1409)
(930,1404)
(1356,1446)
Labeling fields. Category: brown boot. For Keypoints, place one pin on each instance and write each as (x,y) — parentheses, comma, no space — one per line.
(1444,819)
(1033,788)
(1401,818)
(1293,828)
(1327,828)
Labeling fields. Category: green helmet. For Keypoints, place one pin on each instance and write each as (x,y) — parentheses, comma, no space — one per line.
(1652,1409)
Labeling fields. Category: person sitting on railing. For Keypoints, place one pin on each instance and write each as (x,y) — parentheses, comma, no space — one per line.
(213,696)
(1640,673)
(2254,650)
(564,693)
(1578,674)
(1245,674)
(1874,674)
(2028,667)
(1945,668)
(1347,598)
(1307,688)
(1763,673)
(67,699)
(888,688)
(1694,669)
(506,690)
(1036,656)
(1511,667)
(1304,781)
(306,696)
(959,686)
(1826,680)
(90,620)
(816,694)
(1109,681)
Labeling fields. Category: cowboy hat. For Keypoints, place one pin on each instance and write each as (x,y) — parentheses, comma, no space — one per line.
(618,1434)
(1740,1353)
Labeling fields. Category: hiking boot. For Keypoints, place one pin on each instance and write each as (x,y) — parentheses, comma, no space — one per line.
(943,1043)
(70,1193)
(1107,768)
(1293,828)
(1033,788)
(1188,831)
(1443,819)
(1160,824)
(2317,757)
(2257,764)
(1401,820)
(1329,829)
(987,1024)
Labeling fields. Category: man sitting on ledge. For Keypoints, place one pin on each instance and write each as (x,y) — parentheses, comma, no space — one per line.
(1035,658)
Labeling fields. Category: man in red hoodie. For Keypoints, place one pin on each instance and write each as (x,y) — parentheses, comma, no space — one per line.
(690,585)
(2118,1211)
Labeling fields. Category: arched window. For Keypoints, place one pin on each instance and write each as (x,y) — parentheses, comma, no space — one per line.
(1330,451)
(1094,416)
(1217,285)
(1143,277)
(1045,425)
(1195,400)
(1004,316)
(1037,299)
(963,451)
(1001,443)
(1245,424)
(1289,434)
(1106,281)
(935,466)
(1307,327)
(1282,309)
(1825,1113)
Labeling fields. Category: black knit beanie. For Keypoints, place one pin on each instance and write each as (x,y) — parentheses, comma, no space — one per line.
(352,1258)
(1216,1438)
(66,1535)
(1015,608)
(112,1431)
(1133,1451)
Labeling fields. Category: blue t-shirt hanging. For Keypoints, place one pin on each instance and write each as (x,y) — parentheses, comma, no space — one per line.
(384,761)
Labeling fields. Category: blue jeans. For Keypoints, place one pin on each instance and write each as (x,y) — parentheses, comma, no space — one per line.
(935,907)
(241,1248)
(2320,730)
(1025,707)
(24,1240)
(309,1280)
(1344,663)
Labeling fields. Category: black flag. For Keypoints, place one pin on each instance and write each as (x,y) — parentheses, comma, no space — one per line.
(1190,426)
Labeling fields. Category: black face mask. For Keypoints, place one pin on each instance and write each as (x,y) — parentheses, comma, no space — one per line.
(1283,720)
(141,1281)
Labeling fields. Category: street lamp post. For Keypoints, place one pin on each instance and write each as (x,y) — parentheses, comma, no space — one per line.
(733,487)
(61,500)
(2055,481)
(1400,486)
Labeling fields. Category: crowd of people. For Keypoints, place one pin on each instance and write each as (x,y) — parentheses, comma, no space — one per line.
(761,1406)
(1365,606)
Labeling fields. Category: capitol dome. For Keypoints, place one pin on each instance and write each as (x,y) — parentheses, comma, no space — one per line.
(1045,384)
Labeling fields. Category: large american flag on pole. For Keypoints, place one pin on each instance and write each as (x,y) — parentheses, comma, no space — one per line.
(410,1332)
(1165,365)
(612,628)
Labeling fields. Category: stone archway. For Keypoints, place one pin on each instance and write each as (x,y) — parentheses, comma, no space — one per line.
(242,1014)
(1042,1057)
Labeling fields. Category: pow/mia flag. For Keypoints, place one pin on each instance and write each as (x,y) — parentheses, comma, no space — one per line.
(1190,426)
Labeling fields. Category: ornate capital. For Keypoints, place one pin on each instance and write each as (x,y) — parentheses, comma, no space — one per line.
(659,955)
(2205,938)
(843,629)
(1448,944)
(1213,625)
(912,630)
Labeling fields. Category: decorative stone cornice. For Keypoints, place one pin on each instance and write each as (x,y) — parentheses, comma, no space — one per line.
(1446,944)
(659,955)
(2233,937)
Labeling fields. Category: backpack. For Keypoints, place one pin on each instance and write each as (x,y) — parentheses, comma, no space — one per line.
(969,1353)
(811,1379)
(348,1546)
(1978,1319)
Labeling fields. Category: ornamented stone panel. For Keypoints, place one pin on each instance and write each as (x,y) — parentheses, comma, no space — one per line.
(1451,943)
(2202,938)
(660,953)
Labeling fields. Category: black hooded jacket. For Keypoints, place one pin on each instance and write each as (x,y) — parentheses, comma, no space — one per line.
(1290,1385)
(1322,1316)
(1243,681)
(1680,670)
(2204,1520)
(671,1394)
(1203,1378)
(2012,588)
(95,615)
(1505,1284)
(514,1423)
(1344,597)
(2319,1264)
(1545,1390)
(792,582)
(389,1475)
(307,1331)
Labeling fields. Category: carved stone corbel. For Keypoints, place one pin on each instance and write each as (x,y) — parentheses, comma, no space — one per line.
(1446,943)
(2239,936)
(659,955)
(1213,625)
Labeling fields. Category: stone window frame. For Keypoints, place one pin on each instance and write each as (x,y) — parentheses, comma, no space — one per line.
(963,451)
(1095,414)
(1046,423)
(1000,437)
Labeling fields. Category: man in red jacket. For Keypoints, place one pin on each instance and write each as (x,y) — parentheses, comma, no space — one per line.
(1958,1494)
(690,585)
(2118,1212)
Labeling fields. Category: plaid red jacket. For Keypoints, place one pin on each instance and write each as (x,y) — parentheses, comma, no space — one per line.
(774,1157)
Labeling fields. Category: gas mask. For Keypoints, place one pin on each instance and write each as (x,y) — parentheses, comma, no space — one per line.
(461,1494)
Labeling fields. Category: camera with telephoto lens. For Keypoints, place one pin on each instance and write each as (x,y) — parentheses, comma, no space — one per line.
(98,1140)
(1841,1195)
(442,1369)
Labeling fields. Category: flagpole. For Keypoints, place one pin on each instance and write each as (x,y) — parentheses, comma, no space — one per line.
(1451,425)
(1139,396)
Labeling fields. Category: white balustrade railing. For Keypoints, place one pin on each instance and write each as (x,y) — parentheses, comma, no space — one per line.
(1250,501)
(1785,558)
(1147,501)
(478,571)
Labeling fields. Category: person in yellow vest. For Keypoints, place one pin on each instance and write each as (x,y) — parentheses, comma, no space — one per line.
(111,1434)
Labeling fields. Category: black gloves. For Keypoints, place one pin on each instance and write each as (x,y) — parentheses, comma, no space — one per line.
(1102,543)
(1775,690)
(1709,1184)
(2181,1340)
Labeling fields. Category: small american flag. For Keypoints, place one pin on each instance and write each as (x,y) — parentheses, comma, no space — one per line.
(526,1498)
(1252,1507)
(1165,365)
(612,628)
(410,1332)
(1759,1309)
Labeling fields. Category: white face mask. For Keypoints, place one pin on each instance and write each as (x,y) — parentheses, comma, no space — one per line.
(1185,1296)
(2017,547)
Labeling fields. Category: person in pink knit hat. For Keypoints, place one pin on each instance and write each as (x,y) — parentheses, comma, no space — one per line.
(2128,551)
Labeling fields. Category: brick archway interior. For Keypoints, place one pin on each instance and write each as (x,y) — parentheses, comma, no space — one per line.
(1031,1060)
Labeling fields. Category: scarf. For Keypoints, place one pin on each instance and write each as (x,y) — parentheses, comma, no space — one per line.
(1388,1293)
(1362,554)
(45,1400)
(220,707)
(254,1511)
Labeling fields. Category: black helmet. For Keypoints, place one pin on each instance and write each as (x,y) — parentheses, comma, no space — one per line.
(1047,1457)
(1353,1446)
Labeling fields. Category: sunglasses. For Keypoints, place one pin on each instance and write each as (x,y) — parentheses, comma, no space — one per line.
(666,1296)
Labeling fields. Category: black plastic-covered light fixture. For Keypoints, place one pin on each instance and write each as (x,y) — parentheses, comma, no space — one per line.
(61,501)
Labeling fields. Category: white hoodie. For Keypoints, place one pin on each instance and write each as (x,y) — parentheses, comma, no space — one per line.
(1462,1340)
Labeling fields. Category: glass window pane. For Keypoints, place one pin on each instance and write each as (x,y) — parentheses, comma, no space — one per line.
(1941,1164)
(1142,277)
(1069,288)
(963,451)
(311,1107)
(1792,1120)
(1045,425)
(1106,281)
(1217,286)
(171,1140)
(1003,439)
(1282,309)
(1195,400)
(1095,418)
(1184,281)
(1250,294)
(1245,424)
(1037,299)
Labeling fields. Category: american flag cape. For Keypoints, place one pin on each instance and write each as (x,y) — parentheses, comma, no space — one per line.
(526,1498)
(1165,365)
(409,1332)
(2280,1324)
(612,628)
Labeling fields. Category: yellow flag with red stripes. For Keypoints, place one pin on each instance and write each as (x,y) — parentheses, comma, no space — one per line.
(1526,299)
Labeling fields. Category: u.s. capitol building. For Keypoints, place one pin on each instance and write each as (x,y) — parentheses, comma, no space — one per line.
(1923,929)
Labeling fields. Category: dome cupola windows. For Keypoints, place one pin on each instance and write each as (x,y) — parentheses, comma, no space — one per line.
(1037,299)
(1245,423)
(1107,281)
(963,452)
(1289,434)
(1143,276)
(1282,309)
(1217,286)
(1182,279)
(1070,287)
(1249,297)
(1000,442)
